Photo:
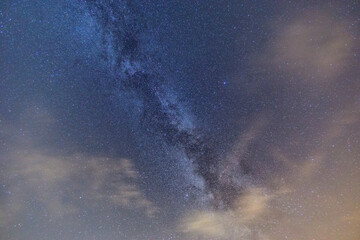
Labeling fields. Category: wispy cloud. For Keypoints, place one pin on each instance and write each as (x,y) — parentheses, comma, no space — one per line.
(64,185)
(314,48)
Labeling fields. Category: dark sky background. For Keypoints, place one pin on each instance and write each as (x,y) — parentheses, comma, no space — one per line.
(235,120)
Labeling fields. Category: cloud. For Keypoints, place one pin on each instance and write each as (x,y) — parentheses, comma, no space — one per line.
(233,223)
(29,177)
(314,47)
(251,205)
(312,188)
(234,174)
(115,181)
(65,185)
(319,184)
(204,223)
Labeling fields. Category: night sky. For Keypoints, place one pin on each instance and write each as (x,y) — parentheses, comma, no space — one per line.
(184,120)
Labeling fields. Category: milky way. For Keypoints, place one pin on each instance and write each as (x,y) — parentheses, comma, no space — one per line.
(179,120)
(161,113)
